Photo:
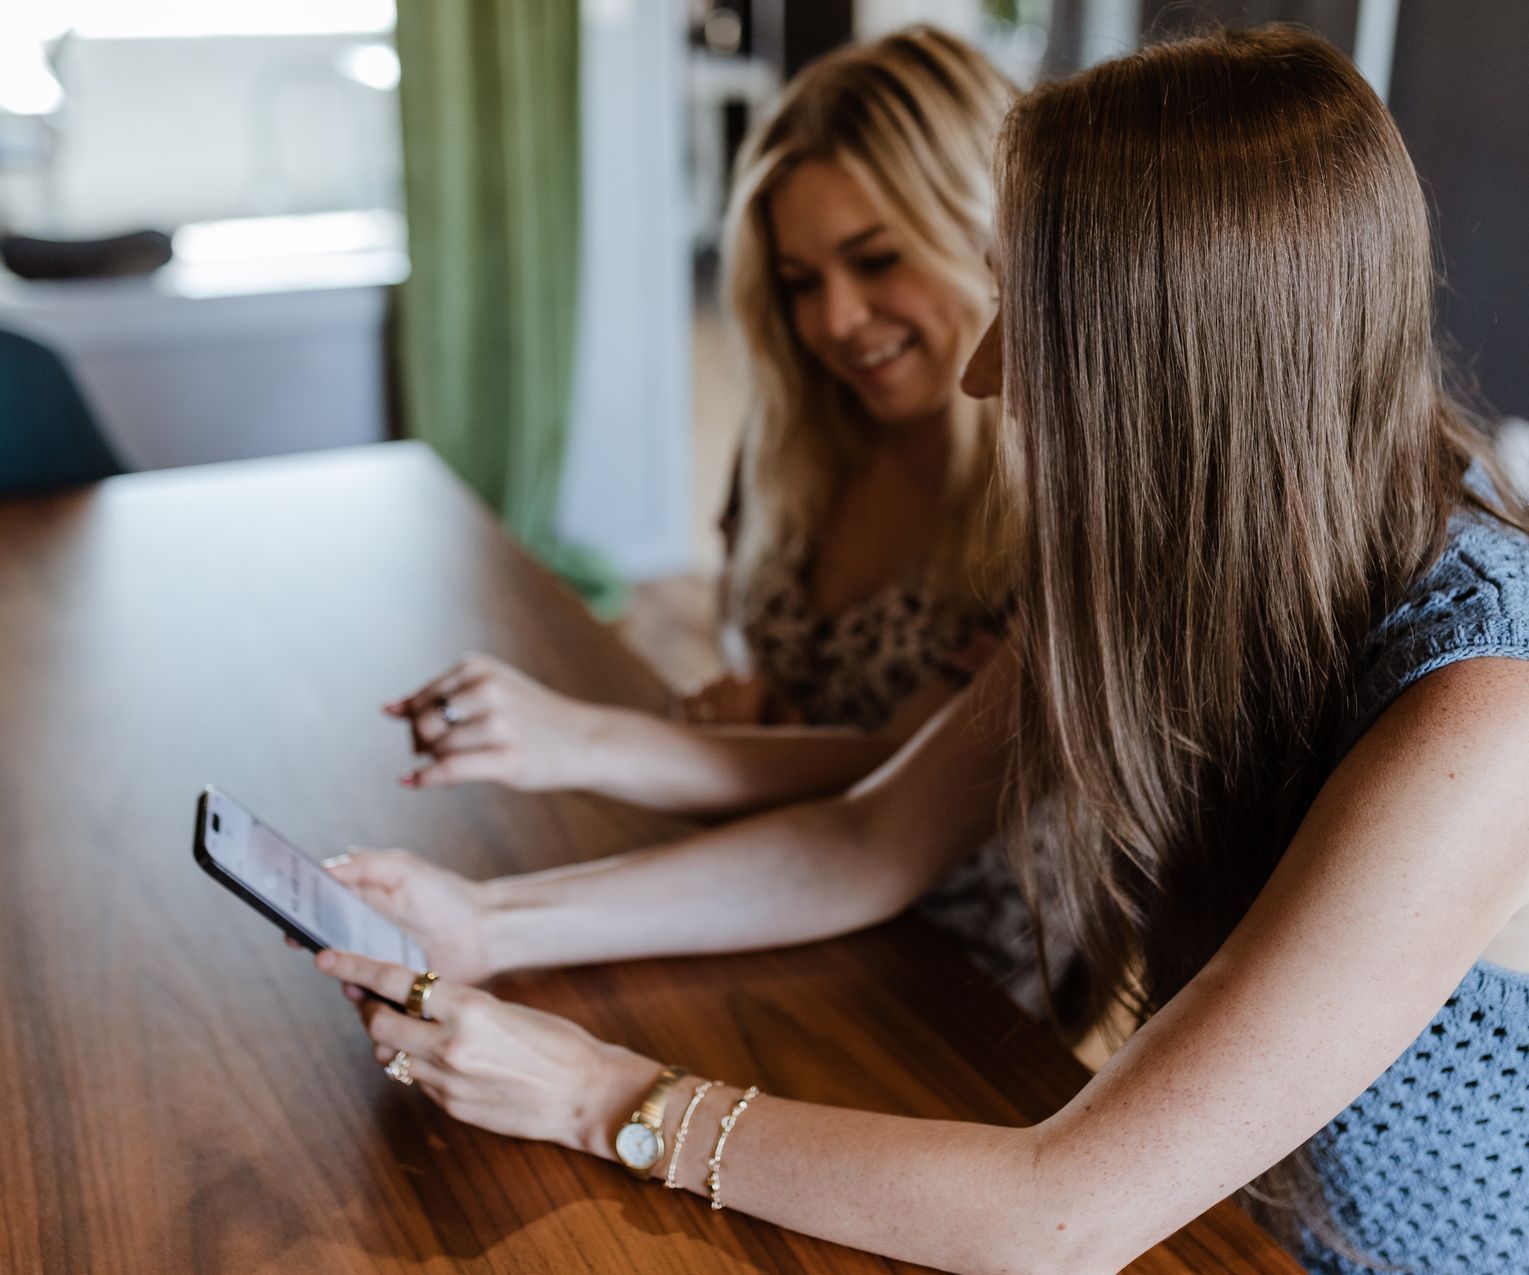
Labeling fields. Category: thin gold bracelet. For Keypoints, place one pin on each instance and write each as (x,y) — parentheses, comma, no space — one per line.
(714,1165)
(679,1134)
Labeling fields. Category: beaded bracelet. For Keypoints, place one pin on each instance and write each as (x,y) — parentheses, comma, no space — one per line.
(679,1134)
(714,1177)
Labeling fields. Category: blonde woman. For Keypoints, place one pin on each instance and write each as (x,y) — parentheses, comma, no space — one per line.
(1267,708)
(863,580)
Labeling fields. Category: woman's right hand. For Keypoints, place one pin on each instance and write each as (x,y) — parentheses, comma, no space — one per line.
(728,700)
(482,720)
(440,909)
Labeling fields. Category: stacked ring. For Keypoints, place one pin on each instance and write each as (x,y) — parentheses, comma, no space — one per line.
(419,994)
(398,1068)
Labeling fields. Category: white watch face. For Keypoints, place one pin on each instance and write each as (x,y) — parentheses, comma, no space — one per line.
(637,1145)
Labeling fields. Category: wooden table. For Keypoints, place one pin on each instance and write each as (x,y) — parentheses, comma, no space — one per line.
(182,1093)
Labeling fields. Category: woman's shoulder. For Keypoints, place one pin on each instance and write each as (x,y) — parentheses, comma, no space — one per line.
(1472,600)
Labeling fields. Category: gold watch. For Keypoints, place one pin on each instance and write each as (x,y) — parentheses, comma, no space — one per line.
(640,1141)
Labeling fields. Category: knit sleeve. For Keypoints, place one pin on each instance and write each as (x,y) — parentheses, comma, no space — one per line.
(1473,601)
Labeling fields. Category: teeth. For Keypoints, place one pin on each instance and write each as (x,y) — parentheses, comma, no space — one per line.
(878,357)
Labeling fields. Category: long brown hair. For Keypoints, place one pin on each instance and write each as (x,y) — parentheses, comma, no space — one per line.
(1228,452)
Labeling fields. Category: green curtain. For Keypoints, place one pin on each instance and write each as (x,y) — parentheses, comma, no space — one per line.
(490,110)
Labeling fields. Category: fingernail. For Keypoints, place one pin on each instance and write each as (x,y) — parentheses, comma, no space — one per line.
(409,779)
(325,960)
(334,861)
(353,993)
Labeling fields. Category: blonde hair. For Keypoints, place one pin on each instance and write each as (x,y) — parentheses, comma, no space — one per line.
(911,117)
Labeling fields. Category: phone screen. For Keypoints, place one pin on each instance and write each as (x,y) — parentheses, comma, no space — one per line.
(298,887)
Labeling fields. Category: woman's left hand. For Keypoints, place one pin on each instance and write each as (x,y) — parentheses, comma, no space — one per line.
(502,1067)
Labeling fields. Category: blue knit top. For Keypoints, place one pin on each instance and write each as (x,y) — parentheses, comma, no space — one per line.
(1426,1170)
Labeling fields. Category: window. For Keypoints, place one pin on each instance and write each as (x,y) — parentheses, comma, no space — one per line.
(119,116)
(154,19)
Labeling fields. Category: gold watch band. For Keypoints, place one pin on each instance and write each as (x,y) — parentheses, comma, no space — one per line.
(651,1113)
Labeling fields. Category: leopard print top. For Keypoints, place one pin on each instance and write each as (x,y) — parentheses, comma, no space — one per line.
(856,668)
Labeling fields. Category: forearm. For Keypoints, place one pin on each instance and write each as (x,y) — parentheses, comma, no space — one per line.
(956,1196)
(791,876)
(709,771)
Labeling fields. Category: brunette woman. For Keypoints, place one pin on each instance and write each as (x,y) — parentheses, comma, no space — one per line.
(1265,719)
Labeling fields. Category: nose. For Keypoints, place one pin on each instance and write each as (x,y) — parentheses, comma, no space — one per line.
(982,377)
(844,306)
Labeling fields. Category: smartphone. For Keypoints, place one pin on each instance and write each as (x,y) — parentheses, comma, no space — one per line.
(292,888)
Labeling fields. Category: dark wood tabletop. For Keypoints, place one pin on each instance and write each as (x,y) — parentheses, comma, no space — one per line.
(179,1092)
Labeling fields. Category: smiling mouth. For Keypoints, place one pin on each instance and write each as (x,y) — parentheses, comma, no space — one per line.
(872,360)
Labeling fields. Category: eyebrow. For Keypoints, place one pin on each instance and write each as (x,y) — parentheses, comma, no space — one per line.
(844,245)
(870,232)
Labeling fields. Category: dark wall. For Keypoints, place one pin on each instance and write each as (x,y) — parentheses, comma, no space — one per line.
(793,32)
(1460,92)
(1336,20)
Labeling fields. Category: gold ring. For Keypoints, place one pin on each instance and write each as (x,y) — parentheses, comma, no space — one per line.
(398,1069)
(419,994)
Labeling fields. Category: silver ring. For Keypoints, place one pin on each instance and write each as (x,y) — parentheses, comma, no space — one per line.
(446,710)
(398,1069)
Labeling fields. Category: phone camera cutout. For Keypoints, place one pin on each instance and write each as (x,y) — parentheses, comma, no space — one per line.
(217,823)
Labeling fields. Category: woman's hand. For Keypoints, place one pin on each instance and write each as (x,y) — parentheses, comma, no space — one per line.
(502,1067)
(728,700)
(483,720)
(441,910)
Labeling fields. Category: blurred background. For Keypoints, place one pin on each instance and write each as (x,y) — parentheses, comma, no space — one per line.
(493,224)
